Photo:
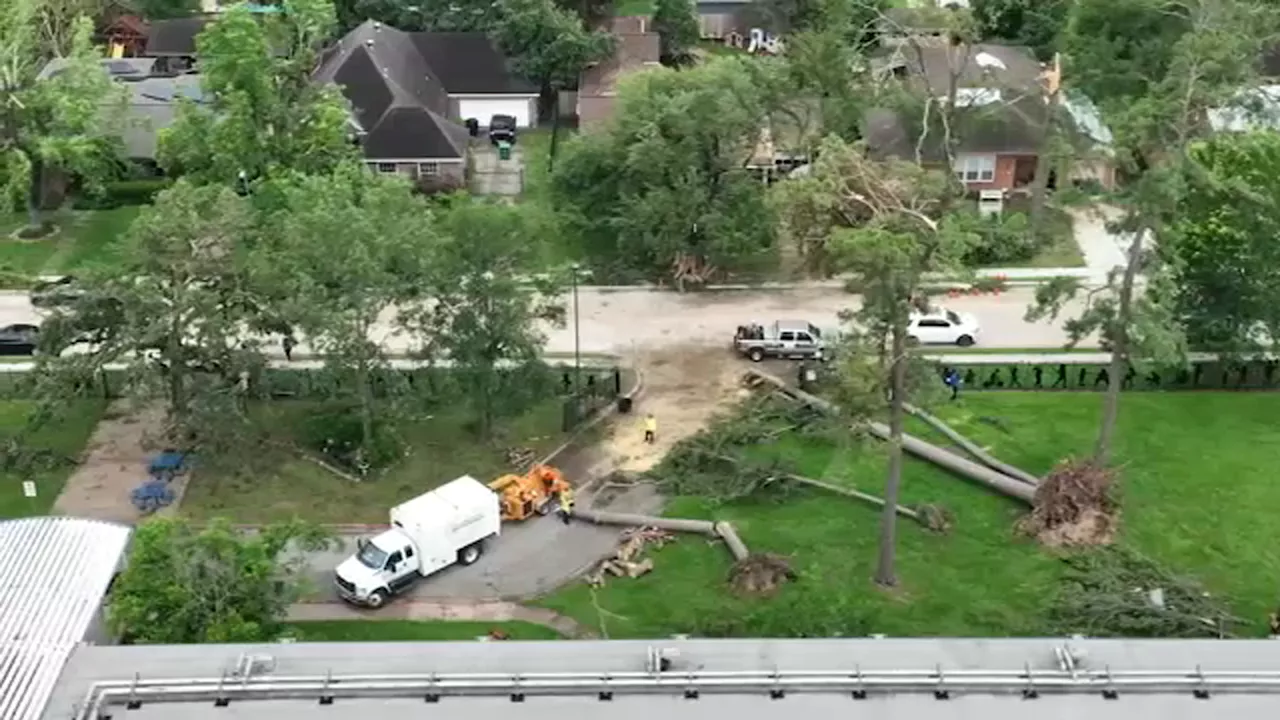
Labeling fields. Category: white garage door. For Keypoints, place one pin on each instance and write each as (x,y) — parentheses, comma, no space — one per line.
(483,110)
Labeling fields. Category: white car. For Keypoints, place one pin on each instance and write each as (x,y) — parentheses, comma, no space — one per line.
(942,327)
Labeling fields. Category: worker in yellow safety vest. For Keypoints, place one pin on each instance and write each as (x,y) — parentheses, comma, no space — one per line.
(650,428)
(566,505)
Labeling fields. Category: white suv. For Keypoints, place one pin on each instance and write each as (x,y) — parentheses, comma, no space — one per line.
(942,327)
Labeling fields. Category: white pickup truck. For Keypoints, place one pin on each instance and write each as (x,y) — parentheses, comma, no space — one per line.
(428,533)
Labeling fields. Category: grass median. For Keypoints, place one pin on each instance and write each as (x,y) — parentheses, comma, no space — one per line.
(1197,489)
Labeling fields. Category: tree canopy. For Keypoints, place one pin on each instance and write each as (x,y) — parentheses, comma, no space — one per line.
(68,121)
(1221,242)
(676,22)
(664,189)
(185,585)
(264,116)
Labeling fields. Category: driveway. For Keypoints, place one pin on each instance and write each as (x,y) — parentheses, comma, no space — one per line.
(491,175)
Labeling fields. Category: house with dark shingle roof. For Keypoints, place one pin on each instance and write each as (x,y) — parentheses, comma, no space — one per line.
(411,92)
(1001,108)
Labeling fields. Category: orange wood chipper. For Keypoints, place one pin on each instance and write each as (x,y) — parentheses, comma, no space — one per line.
(533,492)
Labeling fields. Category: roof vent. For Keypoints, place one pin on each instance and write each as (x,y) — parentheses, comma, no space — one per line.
(369,42)
(377,26)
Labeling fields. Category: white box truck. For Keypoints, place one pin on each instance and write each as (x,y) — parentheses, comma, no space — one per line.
(428,533)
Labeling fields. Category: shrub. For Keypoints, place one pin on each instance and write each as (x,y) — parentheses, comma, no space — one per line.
(1004,239)
(124,193)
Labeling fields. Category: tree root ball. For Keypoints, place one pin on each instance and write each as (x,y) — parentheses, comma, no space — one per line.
(760,574)
(1073,507)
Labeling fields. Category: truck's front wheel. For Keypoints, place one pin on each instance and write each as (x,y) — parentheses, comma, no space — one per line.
(377,599)
(470,554)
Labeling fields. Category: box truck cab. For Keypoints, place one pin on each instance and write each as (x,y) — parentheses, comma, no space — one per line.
(428,533)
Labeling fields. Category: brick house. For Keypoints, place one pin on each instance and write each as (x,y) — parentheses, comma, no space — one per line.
(1001,97)
(635,48)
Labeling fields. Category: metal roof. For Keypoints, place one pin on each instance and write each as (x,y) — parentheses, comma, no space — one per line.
(52,580)
(883,678)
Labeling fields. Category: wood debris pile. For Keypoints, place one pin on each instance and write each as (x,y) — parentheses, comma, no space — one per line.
(627,560)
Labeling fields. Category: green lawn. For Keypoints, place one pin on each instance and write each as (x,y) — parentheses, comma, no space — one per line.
(1198,489)
(86,238)
(410,630)
(442,449)
(64,438)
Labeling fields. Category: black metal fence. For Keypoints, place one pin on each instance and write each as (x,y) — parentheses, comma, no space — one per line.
(1089,377)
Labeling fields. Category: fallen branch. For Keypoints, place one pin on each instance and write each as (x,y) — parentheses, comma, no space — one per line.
(299,452)
(971,447)
(849,492)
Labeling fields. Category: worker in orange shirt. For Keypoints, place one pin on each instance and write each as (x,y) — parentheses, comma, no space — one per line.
(650,428)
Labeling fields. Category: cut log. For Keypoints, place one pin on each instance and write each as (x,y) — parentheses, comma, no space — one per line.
(971,447)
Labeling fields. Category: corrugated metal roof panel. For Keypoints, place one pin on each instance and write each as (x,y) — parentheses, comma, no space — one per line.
(54,572)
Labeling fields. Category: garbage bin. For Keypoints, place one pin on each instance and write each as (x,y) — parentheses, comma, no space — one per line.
(624,404)
(504,150)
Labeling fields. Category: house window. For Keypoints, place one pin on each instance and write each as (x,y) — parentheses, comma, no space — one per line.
(976,168)
(387,167)
(428,169)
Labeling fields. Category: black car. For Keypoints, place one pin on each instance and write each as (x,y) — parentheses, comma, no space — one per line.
(502,128)
(19,339)
(53,293)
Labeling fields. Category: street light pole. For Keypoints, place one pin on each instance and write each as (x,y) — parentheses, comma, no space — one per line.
(577,337)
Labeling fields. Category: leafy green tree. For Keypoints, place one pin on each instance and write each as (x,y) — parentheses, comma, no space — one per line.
(1155,97)
(1221,243)
(264,115)
(1033,23)
(1118,49)
(676,22)
(60,122)
(548,44)
(486,302)
(173,310)
(663,193)
(185,585)
(349,248)
(889,226)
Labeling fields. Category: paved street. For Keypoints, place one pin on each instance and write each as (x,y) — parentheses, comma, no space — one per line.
(620,322)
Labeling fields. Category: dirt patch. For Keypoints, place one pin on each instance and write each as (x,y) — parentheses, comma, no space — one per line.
(684,387)
(115,462)
(1074,506)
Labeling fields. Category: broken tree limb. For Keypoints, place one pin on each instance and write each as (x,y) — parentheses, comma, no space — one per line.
(731,540)
(993,479)
(971,447)
(849,492)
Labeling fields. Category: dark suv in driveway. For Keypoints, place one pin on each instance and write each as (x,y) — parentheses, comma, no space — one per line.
(20,339)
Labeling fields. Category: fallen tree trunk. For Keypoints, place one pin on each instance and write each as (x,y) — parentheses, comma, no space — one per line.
(722,530)
(849,492)
(600,517)
(971,447)
(997,481)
